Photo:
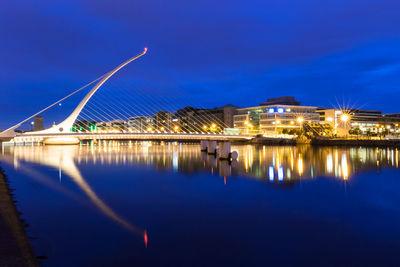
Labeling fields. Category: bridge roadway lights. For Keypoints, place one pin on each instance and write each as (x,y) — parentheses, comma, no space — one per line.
(65,140)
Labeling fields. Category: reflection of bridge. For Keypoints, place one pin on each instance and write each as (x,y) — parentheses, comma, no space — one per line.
(62,133)
(63,158)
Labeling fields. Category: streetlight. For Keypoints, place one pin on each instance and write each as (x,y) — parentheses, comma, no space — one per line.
(345,117)
(300,119)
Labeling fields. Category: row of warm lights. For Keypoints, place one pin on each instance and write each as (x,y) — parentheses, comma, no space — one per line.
(212,127)
(248,124)
(162,129)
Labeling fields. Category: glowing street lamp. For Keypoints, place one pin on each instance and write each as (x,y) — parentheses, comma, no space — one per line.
(345,117)
(300,119)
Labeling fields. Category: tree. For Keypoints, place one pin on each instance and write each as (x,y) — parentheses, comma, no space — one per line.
(355,131)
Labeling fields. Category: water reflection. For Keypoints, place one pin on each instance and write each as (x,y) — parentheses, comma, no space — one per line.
(277,163)
(63,159)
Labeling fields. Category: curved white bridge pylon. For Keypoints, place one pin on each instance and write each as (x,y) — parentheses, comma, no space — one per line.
(66,125)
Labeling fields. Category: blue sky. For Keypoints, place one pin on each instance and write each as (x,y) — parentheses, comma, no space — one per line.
(216,52)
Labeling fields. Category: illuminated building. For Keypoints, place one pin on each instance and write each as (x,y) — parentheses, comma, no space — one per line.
(274,116)
(163,121)
(38,123)
(194,119)
(367,121)
(140,124)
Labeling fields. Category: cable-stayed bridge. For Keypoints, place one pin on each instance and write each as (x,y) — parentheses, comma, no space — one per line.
(123,121)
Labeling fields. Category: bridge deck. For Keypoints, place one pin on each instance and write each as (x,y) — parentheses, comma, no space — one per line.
(31,137)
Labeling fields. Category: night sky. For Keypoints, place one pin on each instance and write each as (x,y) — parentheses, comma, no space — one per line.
(219,52)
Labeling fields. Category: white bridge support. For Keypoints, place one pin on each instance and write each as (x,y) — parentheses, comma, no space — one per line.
(204,145)
(225,150)
(67,124)
(212,147)
(62,133)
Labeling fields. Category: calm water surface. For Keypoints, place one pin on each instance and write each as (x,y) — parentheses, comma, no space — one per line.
(126,204)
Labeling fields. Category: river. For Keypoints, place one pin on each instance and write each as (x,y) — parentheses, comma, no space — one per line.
(168,204)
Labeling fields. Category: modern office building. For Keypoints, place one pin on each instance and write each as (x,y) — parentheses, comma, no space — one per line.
(163,121)
(192,119)
(141,124)
(366,121)
(38,123)
(275,115)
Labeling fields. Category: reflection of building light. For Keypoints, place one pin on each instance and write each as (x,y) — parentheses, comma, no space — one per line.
(280,173)
(273,158)
(300,165)
(329,163)
(271,173)
(345,168)
(175,161)
(288,173)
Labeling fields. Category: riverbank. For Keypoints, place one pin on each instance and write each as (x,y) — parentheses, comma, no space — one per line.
(272,141)
(355,142)
(327,142)
(15,248)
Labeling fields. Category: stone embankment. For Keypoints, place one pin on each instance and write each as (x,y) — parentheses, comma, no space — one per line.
(356,142)
(327,142)
(15,248)
(273,141)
